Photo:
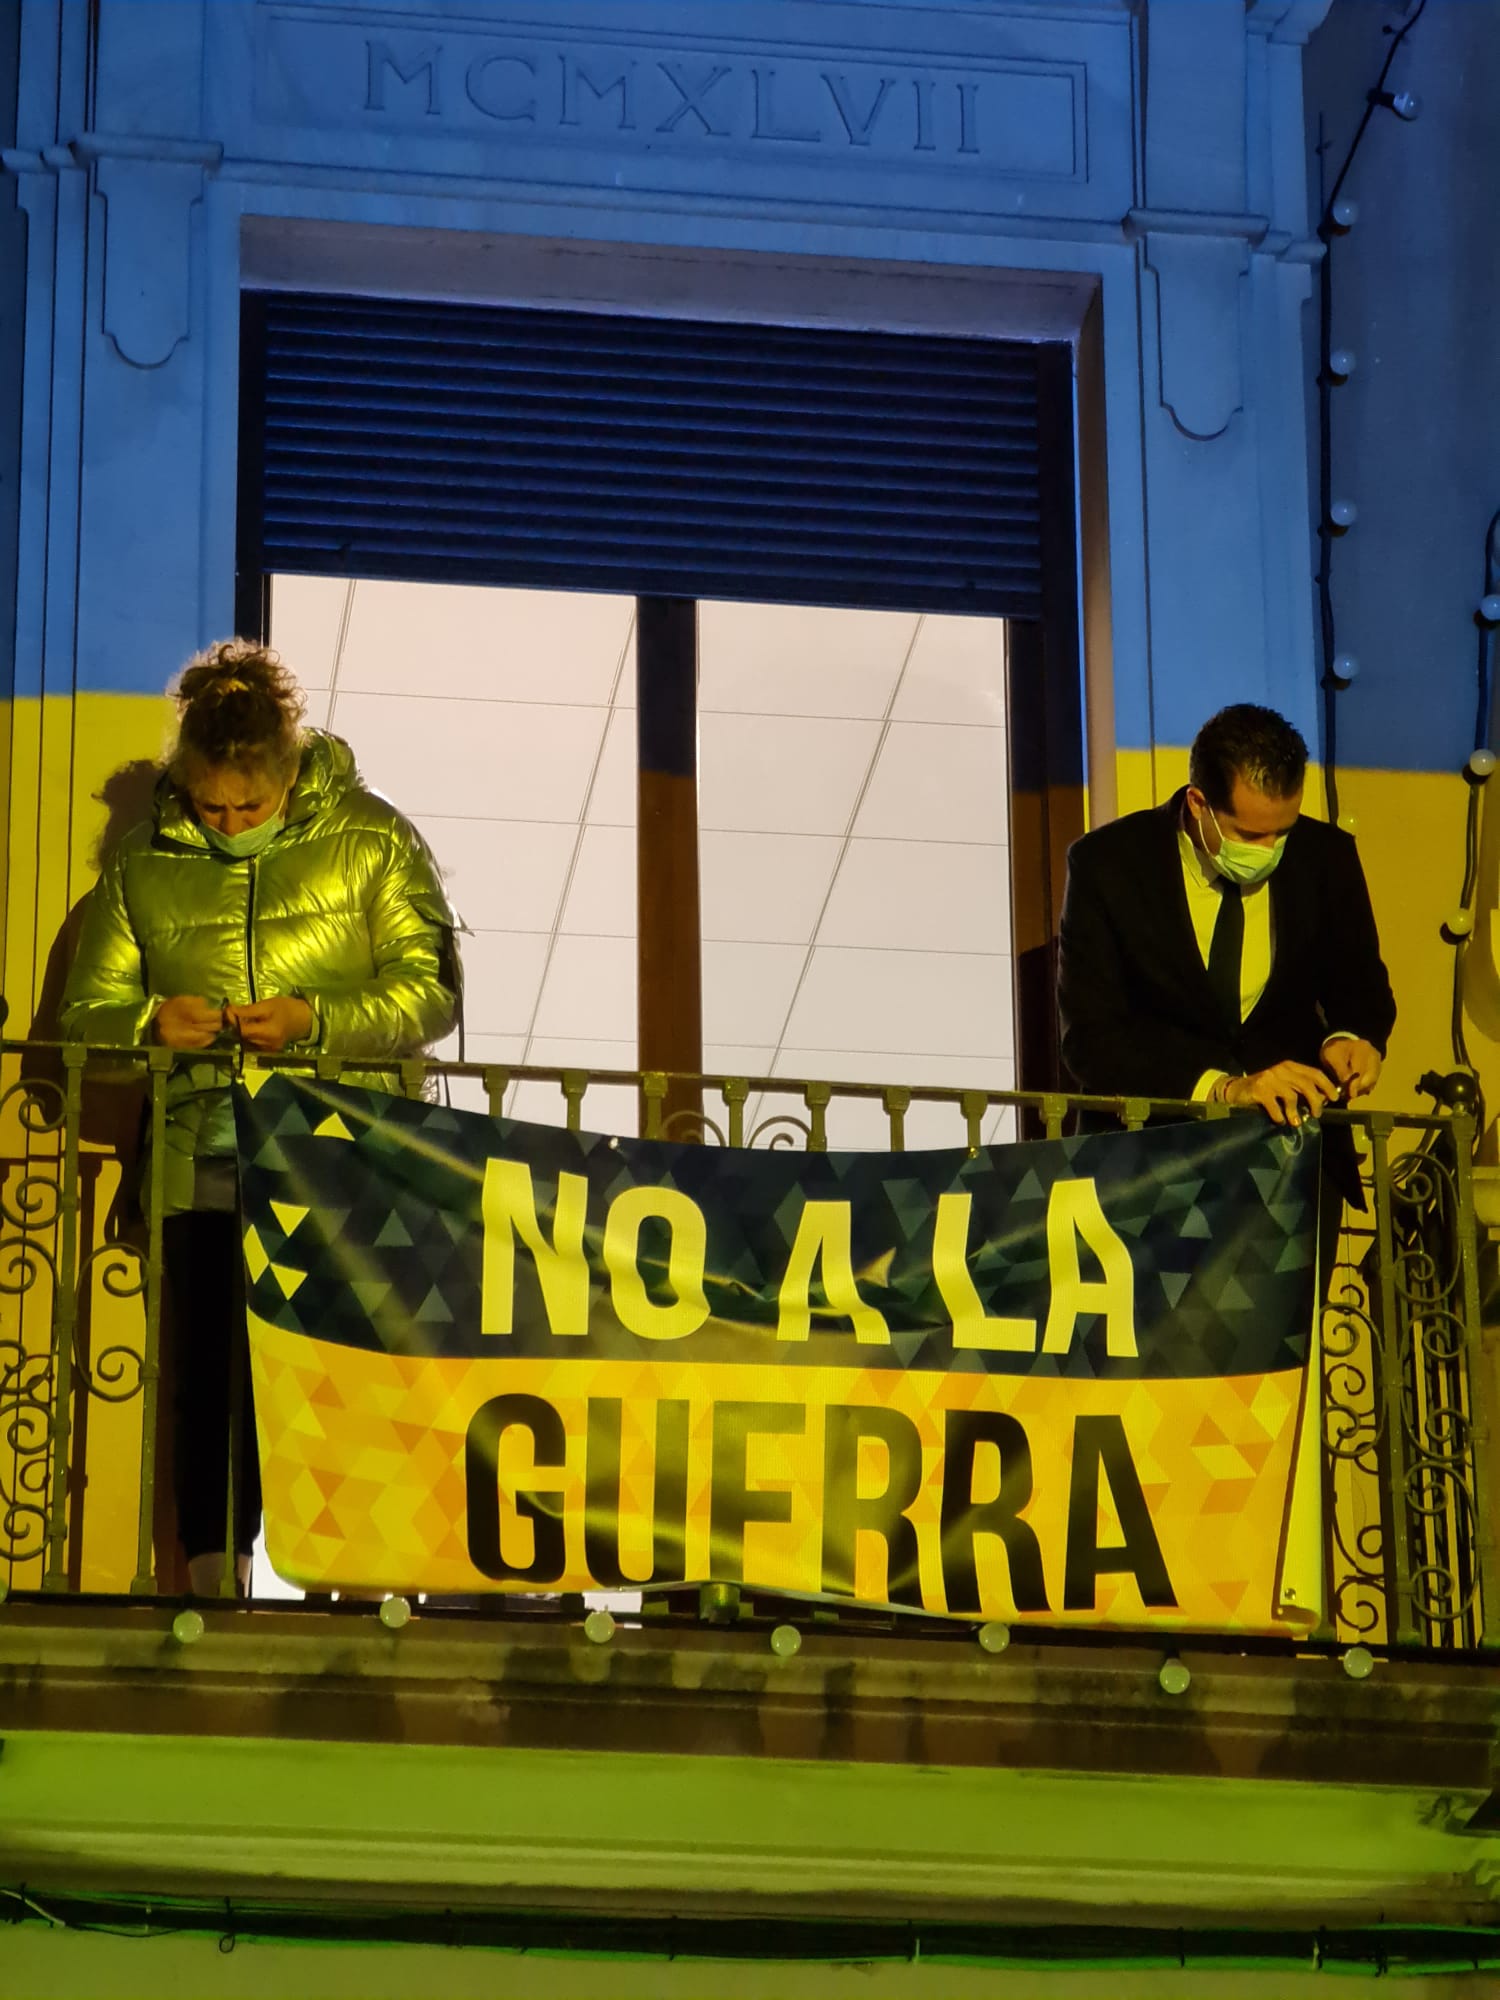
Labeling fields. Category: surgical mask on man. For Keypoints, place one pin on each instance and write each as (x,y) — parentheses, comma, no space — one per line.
(1241,861)
(250,839)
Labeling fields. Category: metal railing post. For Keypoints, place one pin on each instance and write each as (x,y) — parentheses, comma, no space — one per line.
(496,1082)
(1479,1365)
(897,1103)
(158,1070)
(653,1093)
(238,1361)
(973,1104)
(817,1097)
(1400,1610)
(575,1083)
(735,1091)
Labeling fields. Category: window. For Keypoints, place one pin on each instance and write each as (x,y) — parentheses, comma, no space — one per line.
(852,811)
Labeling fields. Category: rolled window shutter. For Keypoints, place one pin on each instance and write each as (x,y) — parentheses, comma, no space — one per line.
(500,445)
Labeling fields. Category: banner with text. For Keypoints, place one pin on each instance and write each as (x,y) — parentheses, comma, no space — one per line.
(1061,1381)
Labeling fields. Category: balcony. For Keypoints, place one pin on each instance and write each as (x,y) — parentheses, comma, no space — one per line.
(712,1750)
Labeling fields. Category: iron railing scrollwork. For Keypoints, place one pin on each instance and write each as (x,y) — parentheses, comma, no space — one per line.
(1439,1426)
(1404,1425)
(1353,1429)
(30,1204)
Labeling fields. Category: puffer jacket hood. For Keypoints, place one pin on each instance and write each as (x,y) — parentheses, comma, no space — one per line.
(344,908)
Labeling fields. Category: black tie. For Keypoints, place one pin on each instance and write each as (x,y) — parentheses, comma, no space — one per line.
(1225,951)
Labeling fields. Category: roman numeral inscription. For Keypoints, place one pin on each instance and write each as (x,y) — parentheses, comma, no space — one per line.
(1018,117)
(785,103)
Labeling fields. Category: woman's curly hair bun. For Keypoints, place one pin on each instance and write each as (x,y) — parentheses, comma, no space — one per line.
(238,707)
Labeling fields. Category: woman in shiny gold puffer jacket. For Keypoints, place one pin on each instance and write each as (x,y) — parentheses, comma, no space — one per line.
(272,902)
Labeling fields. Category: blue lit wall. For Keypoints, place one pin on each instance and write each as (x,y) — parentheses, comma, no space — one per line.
(12,332)
(1416,445)
(1151,152)
(1154,155)
(12,349)
(1416,429)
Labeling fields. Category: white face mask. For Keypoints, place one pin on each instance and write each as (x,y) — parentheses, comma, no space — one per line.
(250,839)
(1241,861)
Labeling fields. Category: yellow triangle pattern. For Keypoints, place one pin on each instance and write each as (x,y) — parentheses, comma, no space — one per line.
(288,1280)
(256,1259)
(363,1465)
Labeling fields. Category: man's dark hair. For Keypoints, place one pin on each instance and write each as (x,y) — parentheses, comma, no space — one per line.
(1247,742)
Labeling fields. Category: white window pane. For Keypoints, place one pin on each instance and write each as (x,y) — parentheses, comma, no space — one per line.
(856,861)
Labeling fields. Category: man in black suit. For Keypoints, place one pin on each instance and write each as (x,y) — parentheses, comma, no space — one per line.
(1221,946)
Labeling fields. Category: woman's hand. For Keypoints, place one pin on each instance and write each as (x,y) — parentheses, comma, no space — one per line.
(269,1025)
(187,1022)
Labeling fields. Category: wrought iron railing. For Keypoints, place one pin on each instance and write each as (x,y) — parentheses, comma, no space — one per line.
(1409,1494)
(1405,1393)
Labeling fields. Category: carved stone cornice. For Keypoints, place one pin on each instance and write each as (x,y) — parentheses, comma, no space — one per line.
(205,153)
(1141,222)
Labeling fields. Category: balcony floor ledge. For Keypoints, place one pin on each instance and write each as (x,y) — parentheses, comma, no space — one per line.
(1052,1701)
(516,1764)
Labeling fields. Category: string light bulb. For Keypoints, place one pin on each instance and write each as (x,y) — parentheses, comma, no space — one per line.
(1481,764)
(1344,213)
(1489,607)
(1405,103)
(1341,363)
(1343,513)
(1345,668)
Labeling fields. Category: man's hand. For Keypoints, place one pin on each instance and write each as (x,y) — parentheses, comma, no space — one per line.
(1353,1064)
(187,1022)
(1282,1090)
(269,1025)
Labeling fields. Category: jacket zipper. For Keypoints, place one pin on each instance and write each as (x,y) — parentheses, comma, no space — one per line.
(250,930)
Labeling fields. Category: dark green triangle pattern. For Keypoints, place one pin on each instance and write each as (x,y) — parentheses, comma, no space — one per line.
(1219,1219)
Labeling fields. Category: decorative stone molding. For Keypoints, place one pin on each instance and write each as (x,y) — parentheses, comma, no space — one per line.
(1290,21)
(149,187)
(1198,280)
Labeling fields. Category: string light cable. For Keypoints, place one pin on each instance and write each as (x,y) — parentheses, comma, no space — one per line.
(1387,1949)
(1480,768)
(1337,514)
